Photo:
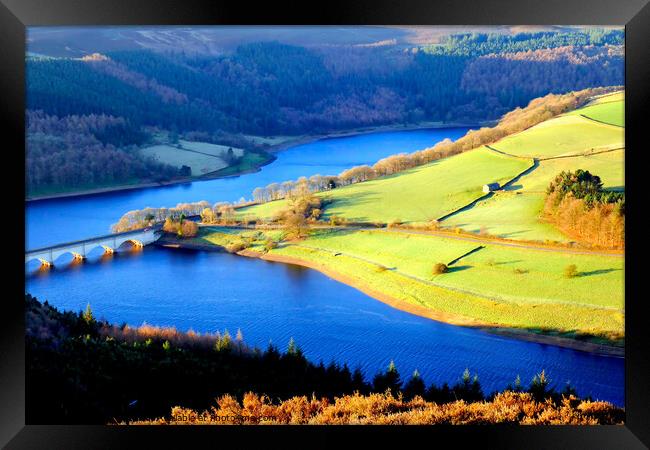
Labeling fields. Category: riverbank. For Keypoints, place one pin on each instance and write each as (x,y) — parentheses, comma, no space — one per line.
(422,311)
(306,139)
(449,318)
(271,150)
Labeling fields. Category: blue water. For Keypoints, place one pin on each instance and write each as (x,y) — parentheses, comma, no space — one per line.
(274,302)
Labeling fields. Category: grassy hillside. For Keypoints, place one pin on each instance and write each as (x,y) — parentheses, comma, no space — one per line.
(490,282)
(611,112)
(613,97)
(562,136)
(417,195)
(515,213)
(433,190)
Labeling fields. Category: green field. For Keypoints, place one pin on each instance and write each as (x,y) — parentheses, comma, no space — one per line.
(416,195)
(509,215)
(489,272)
(251,161)
(515,212)
(611,112)
(516,287)
(561,136)
(201,157)
(222,236)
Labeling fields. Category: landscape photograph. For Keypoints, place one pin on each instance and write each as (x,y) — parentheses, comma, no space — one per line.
(325,225)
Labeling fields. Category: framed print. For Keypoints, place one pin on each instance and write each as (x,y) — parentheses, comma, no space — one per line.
(411,218)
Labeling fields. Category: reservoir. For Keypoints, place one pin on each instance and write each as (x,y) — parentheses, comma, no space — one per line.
(272,302)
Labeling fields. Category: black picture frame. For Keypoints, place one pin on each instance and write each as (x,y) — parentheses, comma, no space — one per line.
(15,15)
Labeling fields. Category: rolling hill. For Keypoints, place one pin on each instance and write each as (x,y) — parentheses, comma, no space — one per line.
(490,282)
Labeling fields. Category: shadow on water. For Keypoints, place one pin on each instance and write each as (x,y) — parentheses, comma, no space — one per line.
(296,272)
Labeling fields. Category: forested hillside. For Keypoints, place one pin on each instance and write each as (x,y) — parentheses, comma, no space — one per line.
(89,150)
(272,88)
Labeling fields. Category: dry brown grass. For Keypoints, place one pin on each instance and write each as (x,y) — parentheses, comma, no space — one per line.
(506,407)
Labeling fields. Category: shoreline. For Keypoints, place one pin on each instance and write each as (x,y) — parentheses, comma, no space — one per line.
(146,184)
(448,318)
(271,150)
(300,140)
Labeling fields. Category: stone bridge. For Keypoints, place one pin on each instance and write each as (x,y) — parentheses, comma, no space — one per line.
(79,249)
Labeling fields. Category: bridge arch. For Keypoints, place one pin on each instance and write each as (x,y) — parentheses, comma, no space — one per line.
(51,259)
(43,261)
(76,256)
(107,249)
(132,243)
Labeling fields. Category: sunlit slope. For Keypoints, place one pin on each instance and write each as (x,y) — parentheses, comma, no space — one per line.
(567,142)
(500,284)
(513,287)
(510,215)
(416,195)
(613,97)
(612,112)
(426,192)
(562,136)
(490,271)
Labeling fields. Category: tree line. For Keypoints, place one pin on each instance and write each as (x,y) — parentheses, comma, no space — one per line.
(479,44)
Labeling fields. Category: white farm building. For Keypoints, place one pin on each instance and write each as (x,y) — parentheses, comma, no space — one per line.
(491,187)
